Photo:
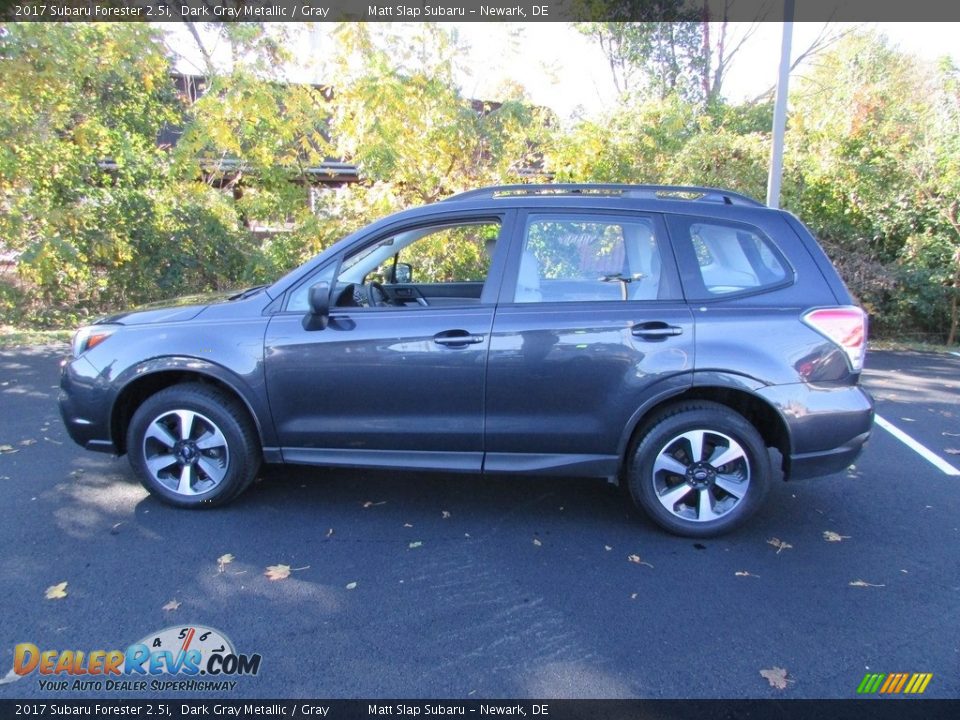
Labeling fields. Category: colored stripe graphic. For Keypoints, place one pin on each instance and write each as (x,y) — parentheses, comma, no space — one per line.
(923,679)
(894,683)
(871,683)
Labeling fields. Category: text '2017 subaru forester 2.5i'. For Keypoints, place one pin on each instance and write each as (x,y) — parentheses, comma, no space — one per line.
(667,337)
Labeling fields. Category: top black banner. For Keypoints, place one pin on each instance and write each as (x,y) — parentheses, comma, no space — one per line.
(475,10)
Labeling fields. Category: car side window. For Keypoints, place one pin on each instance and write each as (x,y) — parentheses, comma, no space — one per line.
(450,254)
(731,257)
(435,265)
(566,258)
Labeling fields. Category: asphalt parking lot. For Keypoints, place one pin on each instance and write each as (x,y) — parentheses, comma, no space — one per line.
(497,588)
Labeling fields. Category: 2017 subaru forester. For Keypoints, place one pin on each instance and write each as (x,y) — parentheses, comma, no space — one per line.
(667,337)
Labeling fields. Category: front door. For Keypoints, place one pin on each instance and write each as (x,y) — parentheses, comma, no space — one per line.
(397,378)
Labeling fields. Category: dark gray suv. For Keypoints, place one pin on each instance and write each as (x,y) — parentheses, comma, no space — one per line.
(664,337)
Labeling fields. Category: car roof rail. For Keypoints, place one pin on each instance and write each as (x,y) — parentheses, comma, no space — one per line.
(649,192)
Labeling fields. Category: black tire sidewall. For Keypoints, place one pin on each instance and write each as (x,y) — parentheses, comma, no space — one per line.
(707,417)
(222,411)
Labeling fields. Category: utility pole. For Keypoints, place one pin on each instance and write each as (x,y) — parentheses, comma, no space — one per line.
(780,109)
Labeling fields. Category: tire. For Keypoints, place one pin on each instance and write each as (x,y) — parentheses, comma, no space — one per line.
(211,463)
(718,497)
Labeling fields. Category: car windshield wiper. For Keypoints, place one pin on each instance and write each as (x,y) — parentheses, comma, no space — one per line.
(243,295)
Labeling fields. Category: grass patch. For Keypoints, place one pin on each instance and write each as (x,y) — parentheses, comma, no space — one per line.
(912,345)
(11,337)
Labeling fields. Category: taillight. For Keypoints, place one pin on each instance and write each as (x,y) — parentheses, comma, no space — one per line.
(846,326)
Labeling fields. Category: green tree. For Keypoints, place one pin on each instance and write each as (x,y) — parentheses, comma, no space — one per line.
(868,169)
(935,253)
(654,58)
(80,171)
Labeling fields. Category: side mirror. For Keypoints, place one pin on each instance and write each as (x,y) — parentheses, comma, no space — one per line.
(403,273)
(319,299)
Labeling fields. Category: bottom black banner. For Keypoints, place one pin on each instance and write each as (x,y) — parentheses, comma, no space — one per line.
(879,709)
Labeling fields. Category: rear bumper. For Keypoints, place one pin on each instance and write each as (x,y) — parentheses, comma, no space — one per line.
(828,426)
(809,465)
(85,407)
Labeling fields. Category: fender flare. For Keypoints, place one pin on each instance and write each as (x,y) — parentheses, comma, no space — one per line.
(258,409)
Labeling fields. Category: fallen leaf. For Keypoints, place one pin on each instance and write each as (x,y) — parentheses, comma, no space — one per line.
(744,573)
(636,559)
(172,605)
(28,443)
(7,449)
(777,677)
(369,504)
(537,542)
(779,544)
(56,592)
(407,525)
(831,536)
(330,533)
(862,583)
(633,596)
(444,514)
(608,548)
(277,572)
(351,586)
(415,544)
(223,561)
(951,451)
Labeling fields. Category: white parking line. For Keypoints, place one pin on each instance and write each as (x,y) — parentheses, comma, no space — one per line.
(954,353)
(919,449)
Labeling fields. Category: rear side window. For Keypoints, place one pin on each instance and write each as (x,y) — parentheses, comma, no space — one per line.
(571,258)
(724,258)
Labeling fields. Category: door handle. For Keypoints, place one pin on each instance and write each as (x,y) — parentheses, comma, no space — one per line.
(453,338)
(656,330)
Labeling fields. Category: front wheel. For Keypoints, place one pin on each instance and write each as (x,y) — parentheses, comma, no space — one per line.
(700,470)
(192,445)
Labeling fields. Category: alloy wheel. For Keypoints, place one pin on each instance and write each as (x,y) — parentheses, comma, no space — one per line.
(185,452)
(701,475)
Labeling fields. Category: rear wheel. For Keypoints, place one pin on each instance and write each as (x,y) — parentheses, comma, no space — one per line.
(700,470)
(193,445)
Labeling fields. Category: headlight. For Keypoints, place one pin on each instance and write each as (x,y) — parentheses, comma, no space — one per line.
(88,337)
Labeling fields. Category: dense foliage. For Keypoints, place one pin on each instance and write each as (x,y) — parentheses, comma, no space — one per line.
(103,216)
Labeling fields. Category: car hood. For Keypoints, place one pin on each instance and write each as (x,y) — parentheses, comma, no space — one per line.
(174,310)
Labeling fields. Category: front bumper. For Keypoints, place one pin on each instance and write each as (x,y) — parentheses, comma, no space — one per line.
(85,405)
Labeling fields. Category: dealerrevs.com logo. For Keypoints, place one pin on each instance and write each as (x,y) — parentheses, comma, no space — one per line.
(204,657)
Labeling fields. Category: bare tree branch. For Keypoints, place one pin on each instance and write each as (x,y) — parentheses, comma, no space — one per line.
(823,41)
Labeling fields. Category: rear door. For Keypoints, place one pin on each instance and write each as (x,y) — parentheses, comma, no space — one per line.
(591,324)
